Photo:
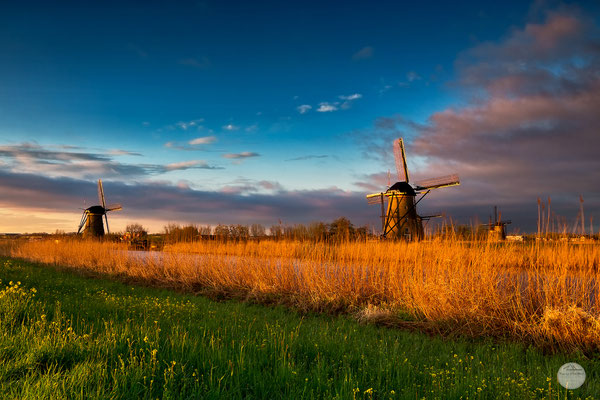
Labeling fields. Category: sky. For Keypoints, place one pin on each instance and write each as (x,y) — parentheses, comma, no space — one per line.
(260,112)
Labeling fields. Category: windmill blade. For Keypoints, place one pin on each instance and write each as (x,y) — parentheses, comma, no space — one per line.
(440,182)
(106,219)
(400,158)
(375,198)
(82,222)
(428,217)
(101,194)
(114,207)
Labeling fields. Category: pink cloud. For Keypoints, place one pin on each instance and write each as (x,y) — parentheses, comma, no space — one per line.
(529,127)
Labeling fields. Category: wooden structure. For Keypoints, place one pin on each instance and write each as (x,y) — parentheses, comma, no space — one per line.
(91,224)
(399,219)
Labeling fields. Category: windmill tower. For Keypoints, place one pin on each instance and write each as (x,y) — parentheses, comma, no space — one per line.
(399,220)
(91,220)
(497,229)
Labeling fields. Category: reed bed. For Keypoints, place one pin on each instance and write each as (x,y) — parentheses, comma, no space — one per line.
(543,293)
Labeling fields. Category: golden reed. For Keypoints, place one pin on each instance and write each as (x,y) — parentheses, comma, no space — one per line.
(545,293)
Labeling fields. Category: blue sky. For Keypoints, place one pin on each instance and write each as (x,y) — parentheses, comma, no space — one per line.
(263,99)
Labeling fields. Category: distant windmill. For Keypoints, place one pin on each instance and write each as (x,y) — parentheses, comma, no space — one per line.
(91,220)
(400,220)
(497,230)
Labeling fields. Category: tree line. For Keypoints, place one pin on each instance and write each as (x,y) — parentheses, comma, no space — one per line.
(338,230)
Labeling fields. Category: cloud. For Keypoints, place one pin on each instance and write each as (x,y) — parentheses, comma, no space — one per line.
(119,152)
(304,108)
(201,63)
(242,155)
(191,164)
(385,88)
(251,128)
(308,157)
(173,202)
(348,100)
(245,186)
(376,143)
(195,123)
(32,151)
(412,76)
(231,127)
(327,107)
(202,140)
(537,122)
(354,96)
(528,126)
(364,53)
(270,185)
(35,159)
(67,147)
(196,144)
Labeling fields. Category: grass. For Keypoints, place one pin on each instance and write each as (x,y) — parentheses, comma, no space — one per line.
(63,335)
(542,293)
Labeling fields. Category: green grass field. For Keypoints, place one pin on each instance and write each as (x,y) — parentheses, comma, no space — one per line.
(63,335)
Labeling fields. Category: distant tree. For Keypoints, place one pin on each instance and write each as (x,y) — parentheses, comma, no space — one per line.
(205,230)
(222,232)
(257,230)
(362,232)
(175,233)
(318,231)
(239,232)
(189,233)
(288,232)
(300,232)
(170,232)
(136,229)
(276,231)
(341,229)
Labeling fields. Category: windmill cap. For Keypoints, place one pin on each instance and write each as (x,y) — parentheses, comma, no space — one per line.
(95,210)
(403,187)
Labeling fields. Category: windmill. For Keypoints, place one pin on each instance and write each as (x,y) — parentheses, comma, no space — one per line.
(497,229)
(91,220)
(400,220)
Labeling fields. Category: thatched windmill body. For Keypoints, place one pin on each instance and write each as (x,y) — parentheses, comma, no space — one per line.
(91,224)
(399,219)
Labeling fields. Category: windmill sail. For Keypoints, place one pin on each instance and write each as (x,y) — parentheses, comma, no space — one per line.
(82,222)
(440,182)
(375,198)
(101,194)
(114,207)
(400,158)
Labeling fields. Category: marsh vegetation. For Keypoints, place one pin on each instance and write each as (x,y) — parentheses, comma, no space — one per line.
(543,293)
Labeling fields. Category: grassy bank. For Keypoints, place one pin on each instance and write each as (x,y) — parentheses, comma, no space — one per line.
(543,293)
(66,336)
